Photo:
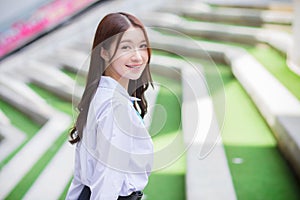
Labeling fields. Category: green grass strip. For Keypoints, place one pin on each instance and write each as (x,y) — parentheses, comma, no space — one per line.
(275,63)
(53,100)
(69,73)
(263,173)
(20,121)
(24,185)
(271,59)
(64,193)
(80,79)
(168,183)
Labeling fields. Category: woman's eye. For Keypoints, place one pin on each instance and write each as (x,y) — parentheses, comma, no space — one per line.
(143,46)
(125,47)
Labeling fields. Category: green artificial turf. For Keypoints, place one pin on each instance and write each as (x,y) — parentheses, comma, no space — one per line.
(275,63)
(23,186)
(53,100)
(20,121)
(258,169)
(70,74)
(169,182)
(64,193)
(264,173)
(270,58)
(80,80)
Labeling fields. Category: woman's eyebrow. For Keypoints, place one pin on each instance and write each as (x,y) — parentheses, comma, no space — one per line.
(124,41)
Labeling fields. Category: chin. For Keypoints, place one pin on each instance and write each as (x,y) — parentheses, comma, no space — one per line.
(135,77)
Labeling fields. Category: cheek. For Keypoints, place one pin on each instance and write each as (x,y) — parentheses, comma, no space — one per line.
(145,55)
(121,58)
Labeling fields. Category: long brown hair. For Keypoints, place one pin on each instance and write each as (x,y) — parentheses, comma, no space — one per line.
(114,24)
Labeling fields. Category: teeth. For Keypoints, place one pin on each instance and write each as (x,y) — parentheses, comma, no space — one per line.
(133,66)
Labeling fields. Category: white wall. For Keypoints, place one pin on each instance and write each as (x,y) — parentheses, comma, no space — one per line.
(294,53)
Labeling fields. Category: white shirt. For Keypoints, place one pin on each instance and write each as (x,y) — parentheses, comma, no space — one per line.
(115,155)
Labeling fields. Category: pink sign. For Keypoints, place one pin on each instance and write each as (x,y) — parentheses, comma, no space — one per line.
(42,19)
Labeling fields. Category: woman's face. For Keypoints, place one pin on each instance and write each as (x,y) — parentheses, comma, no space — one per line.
(131,56)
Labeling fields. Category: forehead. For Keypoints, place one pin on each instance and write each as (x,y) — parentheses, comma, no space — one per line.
(133,35)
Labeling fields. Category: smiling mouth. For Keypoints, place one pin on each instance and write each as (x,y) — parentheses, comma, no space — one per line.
(134,66)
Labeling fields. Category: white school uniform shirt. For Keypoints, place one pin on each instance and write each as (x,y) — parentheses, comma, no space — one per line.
(114,157)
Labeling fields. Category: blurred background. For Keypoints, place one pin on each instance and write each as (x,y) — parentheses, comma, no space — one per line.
(224,113)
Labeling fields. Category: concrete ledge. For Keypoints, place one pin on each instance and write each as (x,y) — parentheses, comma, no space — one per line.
(247,35)
(287,132)
(53,80)
(167,67)
(57,173)
(242,16)
(73,60)
(22,97)
(12,173)
(254,4)
(208,175)
(174,44)
(205,157)
(278,106)
(12,137)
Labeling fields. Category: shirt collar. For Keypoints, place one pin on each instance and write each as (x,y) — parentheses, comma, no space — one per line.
(108,82)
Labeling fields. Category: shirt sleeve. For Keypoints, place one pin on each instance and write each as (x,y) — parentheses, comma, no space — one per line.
(113,149)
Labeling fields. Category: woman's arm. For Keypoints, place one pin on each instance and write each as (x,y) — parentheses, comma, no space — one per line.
(112,153)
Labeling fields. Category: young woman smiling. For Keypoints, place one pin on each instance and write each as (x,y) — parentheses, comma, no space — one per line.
(114,151)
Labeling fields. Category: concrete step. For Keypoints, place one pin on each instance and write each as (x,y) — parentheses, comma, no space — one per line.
(3,119)
(53,80)
(205,153)
(208,175)
(19,95)
(284,5)
(11,137)
(12,173)
(184,46)
(242,16)
(70,59)
(57,173)
(277,106)
(219,32)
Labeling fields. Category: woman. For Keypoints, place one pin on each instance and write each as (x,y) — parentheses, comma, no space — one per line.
(114,151)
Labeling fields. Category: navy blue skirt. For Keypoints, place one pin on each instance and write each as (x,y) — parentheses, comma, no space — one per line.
(86,194)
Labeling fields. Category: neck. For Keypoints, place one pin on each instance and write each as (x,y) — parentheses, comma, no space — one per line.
(122,81)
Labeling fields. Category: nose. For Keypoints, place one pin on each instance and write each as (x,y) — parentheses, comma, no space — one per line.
(137,56)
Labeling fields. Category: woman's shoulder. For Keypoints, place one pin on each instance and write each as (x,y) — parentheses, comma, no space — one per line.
(106,101)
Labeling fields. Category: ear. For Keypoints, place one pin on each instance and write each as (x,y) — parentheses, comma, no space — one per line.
(104,54)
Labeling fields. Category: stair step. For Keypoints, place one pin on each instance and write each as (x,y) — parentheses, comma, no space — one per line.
(12,173)
(54,80)
(11,137)
(242,16)
(19,95)
(246,35)
(255,4)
